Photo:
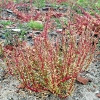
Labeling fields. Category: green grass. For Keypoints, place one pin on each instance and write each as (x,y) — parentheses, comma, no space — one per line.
(35,25)
(6,23)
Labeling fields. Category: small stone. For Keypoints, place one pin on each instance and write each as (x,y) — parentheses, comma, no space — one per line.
(10,99)
(30,35)
(82,80)
(45,8)
(59,30)
(94,86)
(98,95)
(37,32)
(16,30)
(9,11)
(48,5)
(17,91)
(8,26)
(21,86)
(1,26)
(53,34)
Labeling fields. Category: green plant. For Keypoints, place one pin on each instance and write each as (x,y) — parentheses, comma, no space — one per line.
(55,5)
(90,4)
(22,34)
(83,2)
(6,22)
(24,29)
(39,3)
(54,65)
(17,1)
(10,37)
(58,23)
(35,25)
(97,4)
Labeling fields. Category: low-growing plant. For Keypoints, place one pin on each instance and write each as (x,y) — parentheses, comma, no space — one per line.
(24,30)
(10,37)
(35,25)
(90,5)
(54,65)
(39,3)
(83,2)
(97,4)
(25,15)
(58,23)
(6,22)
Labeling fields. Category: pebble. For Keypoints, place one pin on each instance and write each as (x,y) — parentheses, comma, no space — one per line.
(82,80)
(16,30)
(98,95)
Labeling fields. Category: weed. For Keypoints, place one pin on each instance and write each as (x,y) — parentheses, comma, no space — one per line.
(6,23)
(53,66)
(39,3)
(35,25)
